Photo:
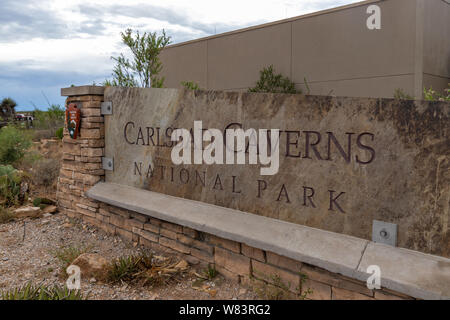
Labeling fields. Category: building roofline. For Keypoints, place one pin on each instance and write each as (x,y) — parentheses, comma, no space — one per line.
(273,23)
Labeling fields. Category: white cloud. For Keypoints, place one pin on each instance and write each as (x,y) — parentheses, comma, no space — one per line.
(80,36)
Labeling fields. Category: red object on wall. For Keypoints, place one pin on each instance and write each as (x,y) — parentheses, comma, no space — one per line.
(73,117)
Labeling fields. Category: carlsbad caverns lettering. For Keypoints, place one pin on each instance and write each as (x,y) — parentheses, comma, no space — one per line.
(302,145)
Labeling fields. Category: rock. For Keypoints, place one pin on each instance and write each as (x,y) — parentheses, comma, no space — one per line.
(91,265)
(28,212)
(44,143)
(242,292)
(48,145)
(47,215)
(192,260)
(67,225)
(154,296)
(50,209)
(212,293)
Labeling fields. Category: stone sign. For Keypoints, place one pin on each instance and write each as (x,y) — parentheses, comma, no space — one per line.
(343,162)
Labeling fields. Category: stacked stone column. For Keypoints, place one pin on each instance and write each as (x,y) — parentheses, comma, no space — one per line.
(81,166)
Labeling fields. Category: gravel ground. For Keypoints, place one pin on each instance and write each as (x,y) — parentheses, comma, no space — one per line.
(27,254)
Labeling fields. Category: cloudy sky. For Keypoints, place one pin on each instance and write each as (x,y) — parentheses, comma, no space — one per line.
(46,45)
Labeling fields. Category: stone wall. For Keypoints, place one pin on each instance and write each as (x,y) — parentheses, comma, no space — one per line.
(343,162)
(236,261)
(82,168)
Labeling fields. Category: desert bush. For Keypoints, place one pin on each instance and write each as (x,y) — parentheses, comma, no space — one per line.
(278,290)
(399,94)
(144,269)
(42,134)
(126,268)
(36,202)
(6,215)
(190,85)
(10,180)
(274,83)
(432,95)
(144,68)
(50,120)
(45,171)
(42,292)
(42,202)
(7,109)
(13,145)
(29,159)
(60,133)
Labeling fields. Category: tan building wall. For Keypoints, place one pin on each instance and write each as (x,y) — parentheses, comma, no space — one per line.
(436,54)
(332,49)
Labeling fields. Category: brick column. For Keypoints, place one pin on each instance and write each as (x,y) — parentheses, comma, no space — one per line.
(82,157)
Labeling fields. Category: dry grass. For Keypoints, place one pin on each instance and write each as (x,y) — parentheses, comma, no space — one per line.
(6,215)
(278,290)
(46,171)
(145,270)
(41,292)
(66,255)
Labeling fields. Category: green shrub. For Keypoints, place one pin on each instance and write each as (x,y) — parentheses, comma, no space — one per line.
(36,202)
(275,83)
(13,145)
(145,66)
(33,292)
(45,171)
(42,201)
(60,133)
(431,95)
(190,85)
(125,268)
(210,272)
(10,180)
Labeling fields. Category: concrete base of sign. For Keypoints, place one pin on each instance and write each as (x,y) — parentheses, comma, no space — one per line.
(409,272)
